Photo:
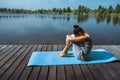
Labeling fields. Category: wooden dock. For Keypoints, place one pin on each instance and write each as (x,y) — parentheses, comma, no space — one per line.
(14,58)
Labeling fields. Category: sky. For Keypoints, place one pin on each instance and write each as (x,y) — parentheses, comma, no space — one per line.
(49,4)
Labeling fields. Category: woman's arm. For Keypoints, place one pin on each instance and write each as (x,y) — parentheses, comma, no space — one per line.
(77,39)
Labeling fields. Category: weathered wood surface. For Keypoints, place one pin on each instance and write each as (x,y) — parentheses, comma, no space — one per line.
(14,58)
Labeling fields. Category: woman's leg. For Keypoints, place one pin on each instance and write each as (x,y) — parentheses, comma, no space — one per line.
(66,48)
(77,51)
(81,52)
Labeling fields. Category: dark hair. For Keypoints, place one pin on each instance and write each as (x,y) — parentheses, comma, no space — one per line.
(77,29)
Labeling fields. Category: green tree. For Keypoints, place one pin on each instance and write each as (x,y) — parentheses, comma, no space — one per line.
(82,10)
(117,9)
(74,11)
(68,10)
(110,10)
(101,11)
(54,10)
(60,11)
(64,10)
(79,9)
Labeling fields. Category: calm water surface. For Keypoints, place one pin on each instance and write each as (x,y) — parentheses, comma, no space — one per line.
(52,28)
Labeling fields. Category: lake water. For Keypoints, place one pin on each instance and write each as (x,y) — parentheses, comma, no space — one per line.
(52,28)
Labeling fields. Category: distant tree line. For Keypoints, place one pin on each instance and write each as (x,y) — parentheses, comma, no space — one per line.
(102,11)
(81,10)
(39,11)
(54,10)
(8,10)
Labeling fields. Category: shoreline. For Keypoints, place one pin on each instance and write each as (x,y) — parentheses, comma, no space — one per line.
(112,15)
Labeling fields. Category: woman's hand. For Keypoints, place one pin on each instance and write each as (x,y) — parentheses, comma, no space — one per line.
(69,38)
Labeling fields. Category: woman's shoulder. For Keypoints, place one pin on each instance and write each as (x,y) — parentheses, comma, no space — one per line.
(89,40)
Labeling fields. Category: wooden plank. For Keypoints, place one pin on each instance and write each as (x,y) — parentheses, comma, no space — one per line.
(104,73)
(86,72)
(43,73)
(103,69)
(94,47)
(60,47)
(35,71)
(112,50)
(61,72)
(44,69)
(17,69)
(52,73)
(6,51)
(9,56)
(2,48)
(52,69)
(27,70)
(93,69)
(99,46)
(116,67)
(14,61)
(55,48)
(96,74)
(116,50)
(21,65)
(117,64)
(111,71)
(1,45)
(116,46)
(49,48)
(61,69)
(5,63)
(78,72)
(69,72)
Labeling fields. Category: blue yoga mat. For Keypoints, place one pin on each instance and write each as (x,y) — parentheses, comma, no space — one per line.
(51,58)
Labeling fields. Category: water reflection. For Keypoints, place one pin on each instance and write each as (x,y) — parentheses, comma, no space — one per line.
(52,28)
(82,18)
(66,17)
(55,17)
(13,16)
(116,20)
(108,19)
(100,19)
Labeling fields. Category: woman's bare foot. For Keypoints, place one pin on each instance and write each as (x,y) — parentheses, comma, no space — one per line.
(82,59)
(62,54)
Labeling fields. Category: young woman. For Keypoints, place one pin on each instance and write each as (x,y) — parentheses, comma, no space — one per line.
(81,42)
